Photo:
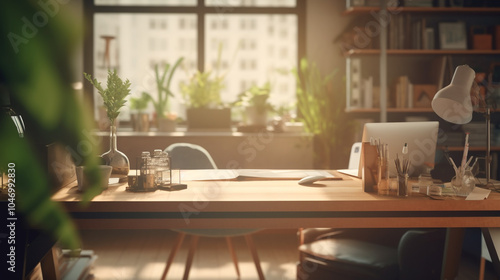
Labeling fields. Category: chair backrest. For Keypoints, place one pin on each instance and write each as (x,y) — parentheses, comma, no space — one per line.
(189,156)
(355,156)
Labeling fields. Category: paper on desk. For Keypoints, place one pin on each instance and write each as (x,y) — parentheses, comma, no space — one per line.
(350,172)
(228,174)
(478,194)
(208,174)
(113,181)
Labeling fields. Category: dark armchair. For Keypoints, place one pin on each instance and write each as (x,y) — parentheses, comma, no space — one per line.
(367,254)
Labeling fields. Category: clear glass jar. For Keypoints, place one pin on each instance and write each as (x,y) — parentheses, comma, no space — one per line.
(165,169)
(383,183)
(147,177)
(464,183)
(424,181)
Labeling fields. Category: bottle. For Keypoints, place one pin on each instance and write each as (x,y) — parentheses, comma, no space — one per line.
(146,179)
(157,165)
(166,180)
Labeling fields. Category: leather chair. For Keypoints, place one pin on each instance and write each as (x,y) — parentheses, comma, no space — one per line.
(366,254)
(191,156)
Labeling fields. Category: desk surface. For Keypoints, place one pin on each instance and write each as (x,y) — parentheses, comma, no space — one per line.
(274,204)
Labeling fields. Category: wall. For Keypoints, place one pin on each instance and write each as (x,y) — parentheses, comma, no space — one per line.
(324,23)
(229,150)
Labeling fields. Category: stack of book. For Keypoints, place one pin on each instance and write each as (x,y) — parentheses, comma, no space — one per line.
(405,32)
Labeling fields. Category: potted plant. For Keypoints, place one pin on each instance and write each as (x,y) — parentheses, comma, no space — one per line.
(256,105)
(114,98)
(166,120)
(139,119)
(320,111)
(52,115)
(205,109)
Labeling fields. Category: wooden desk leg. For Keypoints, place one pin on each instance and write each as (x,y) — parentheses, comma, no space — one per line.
(490,244)
(50,265)
(452,252)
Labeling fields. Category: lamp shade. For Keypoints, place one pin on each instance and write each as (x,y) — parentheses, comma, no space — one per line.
(453,102)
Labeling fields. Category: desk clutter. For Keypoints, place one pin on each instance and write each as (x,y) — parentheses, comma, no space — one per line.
(155,172)
(375,173)
(376,178)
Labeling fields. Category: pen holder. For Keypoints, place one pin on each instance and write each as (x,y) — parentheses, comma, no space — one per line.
(383,176)
(403,184)
(369,167)
(464,183)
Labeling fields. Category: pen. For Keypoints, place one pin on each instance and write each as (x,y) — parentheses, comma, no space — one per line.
(454,166)
(466,150)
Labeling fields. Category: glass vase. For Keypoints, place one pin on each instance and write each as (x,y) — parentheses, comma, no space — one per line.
(464,183)
(116,159)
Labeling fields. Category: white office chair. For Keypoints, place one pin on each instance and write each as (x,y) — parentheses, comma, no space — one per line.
(191,156)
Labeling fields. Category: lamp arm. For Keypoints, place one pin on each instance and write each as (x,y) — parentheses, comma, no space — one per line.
(488,144)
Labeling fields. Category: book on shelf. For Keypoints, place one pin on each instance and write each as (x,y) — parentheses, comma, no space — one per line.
(406,32)
(356,83)
(368,92)
(429,39)
(403,93)
(437,71)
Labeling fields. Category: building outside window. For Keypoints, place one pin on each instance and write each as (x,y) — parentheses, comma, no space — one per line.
(132,36)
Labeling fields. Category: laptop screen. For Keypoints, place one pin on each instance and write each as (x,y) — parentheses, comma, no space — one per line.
(421,138)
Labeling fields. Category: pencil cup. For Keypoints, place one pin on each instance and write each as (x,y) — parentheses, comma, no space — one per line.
(403,185)
(383,176)
(464,183)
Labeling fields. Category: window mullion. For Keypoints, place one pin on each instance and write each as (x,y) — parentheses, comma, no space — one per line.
(201,35)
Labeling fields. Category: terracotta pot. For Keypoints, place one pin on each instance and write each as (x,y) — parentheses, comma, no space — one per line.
(140,122)
(208,118)
(166,125)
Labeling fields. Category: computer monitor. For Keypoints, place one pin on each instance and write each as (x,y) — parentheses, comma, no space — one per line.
(420,136)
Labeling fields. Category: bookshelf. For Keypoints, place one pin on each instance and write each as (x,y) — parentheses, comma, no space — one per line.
(385,57)
(428,10)
(372,71)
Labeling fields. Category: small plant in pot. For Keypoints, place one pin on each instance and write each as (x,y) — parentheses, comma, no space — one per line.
(256,105)
(205,109)
(166,120)
(139,118)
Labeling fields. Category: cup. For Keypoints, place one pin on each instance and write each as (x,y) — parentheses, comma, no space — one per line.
(383,184)
(104,170)
(402,184)
(464,183)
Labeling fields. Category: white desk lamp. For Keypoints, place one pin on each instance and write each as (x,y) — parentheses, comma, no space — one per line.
(454,103)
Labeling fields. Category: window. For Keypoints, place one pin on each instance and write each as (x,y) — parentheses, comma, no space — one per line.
(133,36)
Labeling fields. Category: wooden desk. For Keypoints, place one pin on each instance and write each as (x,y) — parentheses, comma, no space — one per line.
(275,204)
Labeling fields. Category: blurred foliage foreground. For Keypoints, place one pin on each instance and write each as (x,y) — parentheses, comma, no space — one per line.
(37,42)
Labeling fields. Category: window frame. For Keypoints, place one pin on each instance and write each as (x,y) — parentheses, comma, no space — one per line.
(200,10)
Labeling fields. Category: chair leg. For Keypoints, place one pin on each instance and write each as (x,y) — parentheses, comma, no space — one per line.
(177,245)
(233,255)
(255,257)
(189,261)
(481,268)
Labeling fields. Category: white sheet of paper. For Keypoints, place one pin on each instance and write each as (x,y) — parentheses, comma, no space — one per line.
(478,194)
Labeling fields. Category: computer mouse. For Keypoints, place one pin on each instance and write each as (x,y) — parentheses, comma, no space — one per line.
(308,180)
